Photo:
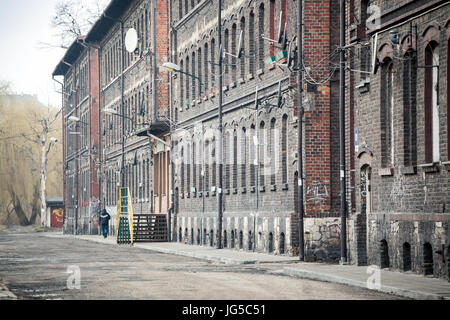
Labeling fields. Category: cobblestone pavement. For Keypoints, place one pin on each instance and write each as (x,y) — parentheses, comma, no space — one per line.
(35,266)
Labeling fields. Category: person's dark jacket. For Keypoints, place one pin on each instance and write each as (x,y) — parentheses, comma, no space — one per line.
(104,217)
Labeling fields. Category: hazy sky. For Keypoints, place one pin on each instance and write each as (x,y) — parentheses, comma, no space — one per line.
(23,25)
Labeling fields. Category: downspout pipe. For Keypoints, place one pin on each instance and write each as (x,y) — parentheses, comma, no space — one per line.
(64,145)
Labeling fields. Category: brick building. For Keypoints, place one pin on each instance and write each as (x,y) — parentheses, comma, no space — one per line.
(129,101)
(260,207)
(81,139)
(398,134)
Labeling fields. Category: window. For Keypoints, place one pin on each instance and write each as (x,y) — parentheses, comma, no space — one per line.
(214,165)
(261,142)
(187,80)
(188,168)
(410,109)
(194,72)
(233,51)
(206,165)
(251,42)
(206,68)
(272,26)
(252,153)
(243,158)
(226,59)
(386,114)
(194,167)
(235,160)
(182,100)
(226,153)
(432,153)
(242,60)
(273,153)
(261,53)
(284,149)
(200,71)
(448,107)
(213,61)
(182,171)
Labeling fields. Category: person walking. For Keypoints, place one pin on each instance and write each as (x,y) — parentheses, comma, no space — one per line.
(104,221)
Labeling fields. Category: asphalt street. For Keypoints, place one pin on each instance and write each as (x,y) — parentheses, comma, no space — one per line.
(34,266)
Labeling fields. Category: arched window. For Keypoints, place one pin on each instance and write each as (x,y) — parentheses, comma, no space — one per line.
(432,153)
(213,61)
(251,43)
(252,153)
(261,51)
(242,60)
(384,254)
(387,113)
(235,159)
(261,142)
(188,88)
(182,100)
(243,158)
(180,9)
(206,68)
(194,166)
(207,165)
(186,6)
(284,158)
(226,158)
(214,163)
(273,153)
(410,109)
(188,168)
(233,51)
(272,26)
(226,61)
(199,164)
(200,71)
(182,171)
(194,81)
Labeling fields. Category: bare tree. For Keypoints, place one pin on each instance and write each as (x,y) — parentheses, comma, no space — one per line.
(41,125)
(74,18)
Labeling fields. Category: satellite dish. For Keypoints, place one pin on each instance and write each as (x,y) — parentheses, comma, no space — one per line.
(131,40)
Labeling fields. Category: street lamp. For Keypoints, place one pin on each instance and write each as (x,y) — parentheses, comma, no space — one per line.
(172,67)
(115,113)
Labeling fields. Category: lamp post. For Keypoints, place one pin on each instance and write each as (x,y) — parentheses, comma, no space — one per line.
(301,111)
(78,120)
(172,67)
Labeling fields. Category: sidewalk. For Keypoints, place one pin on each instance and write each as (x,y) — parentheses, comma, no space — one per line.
(200,252)
(407,285)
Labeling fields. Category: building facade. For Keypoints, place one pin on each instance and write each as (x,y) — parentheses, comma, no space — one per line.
(81,137)
(260,137)
(119,98)
(398,135)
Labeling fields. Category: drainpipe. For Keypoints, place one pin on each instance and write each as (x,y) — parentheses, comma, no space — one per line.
(155,65)
(220,148)
(64,145)
(301,242)
(343,209)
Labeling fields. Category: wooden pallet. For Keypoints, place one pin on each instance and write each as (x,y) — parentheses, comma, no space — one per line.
(150,228)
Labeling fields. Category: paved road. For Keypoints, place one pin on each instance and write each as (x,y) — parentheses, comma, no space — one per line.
(34,266)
